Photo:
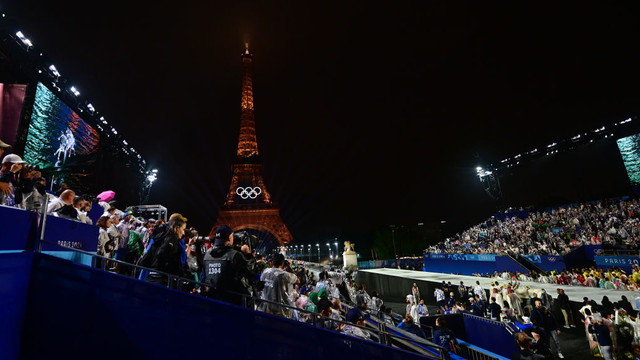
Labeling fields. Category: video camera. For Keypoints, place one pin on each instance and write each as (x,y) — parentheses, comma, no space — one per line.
(244,238)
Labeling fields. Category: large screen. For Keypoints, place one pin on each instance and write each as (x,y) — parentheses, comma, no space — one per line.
(630,150)
(59,141)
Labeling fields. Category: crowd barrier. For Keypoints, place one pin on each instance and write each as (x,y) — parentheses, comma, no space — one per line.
(469,264)
(402,263)
(548,262)
(21,229)
(92,313)
(481,332)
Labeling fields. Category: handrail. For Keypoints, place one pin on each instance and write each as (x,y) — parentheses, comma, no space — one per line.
(175,282)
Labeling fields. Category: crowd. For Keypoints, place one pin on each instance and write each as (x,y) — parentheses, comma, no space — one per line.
(612,278)
(610,327)
(553,232)
(224,267)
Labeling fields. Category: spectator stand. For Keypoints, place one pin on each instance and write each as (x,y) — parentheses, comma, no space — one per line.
(48,274)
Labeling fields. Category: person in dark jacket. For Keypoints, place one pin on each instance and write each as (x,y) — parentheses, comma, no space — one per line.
(565,307)
(525,352)
(443,336)
(225,267)
(543,319)
(494,310)
(604,337)
(408,325)
(168,255)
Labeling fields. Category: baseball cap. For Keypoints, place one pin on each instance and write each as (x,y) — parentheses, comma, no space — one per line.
(4,145)
(14,159)
(354,315)
(222,234)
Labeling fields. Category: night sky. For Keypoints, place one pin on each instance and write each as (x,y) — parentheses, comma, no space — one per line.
(367,114)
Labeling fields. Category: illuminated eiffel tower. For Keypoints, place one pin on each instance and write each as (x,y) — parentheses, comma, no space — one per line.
(248,204)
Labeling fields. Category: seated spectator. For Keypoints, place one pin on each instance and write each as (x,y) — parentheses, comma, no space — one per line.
(408,325)
(356,317)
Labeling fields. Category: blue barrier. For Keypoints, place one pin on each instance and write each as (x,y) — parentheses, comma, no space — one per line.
(459,265)
(16,228)
(15,270)
(581,256)
(489,335)
(548,262)
(483,333)
(76,311)
(623,262)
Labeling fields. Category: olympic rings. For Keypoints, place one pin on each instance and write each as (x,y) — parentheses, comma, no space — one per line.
(248,192)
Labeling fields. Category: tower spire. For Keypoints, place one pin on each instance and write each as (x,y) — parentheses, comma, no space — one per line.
(247,142)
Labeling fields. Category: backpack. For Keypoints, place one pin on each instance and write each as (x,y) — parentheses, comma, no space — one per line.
(135,242)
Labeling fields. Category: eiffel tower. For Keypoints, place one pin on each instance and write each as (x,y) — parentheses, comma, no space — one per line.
(248,204)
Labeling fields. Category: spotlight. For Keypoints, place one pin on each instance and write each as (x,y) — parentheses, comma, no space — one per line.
(54,71)
(24,40)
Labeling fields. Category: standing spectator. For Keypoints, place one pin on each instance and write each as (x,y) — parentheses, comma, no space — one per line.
(412,308)
(542,318)
(106,245)
(604,337)
(494,309)
(415,292)
(443,336)
(168,257)
(276,281)
(478,290)
(476,309)
(462,290)
(123,227)
(565,307)
(440,300)
(482,304)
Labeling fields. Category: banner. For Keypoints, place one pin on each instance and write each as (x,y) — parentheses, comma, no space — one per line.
(619,261)
(461,257)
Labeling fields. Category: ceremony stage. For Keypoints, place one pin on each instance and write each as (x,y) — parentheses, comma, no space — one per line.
(395,284)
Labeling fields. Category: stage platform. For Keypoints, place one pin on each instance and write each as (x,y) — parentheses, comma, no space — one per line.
(400,282)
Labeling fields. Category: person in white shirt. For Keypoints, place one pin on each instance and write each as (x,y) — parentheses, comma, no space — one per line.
(66,198)
(440,298)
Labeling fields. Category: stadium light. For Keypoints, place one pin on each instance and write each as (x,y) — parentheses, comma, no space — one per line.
(54,71)
(91,108)
(24,39)
(75,91)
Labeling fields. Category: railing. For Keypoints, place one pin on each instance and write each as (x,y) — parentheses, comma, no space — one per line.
(178,283)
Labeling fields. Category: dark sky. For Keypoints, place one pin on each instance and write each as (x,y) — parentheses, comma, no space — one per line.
(367,114)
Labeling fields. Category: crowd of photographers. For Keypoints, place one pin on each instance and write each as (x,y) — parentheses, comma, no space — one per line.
(612,223)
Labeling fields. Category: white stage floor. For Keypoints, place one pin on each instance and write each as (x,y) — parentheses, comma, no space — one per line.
(575,293)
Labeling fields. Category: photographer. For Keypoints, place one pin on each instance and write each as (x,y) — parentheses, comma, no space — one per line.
(225,268)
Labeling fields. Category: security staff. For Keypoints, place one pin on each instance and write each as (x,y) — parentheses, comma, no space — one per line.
(224,267)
